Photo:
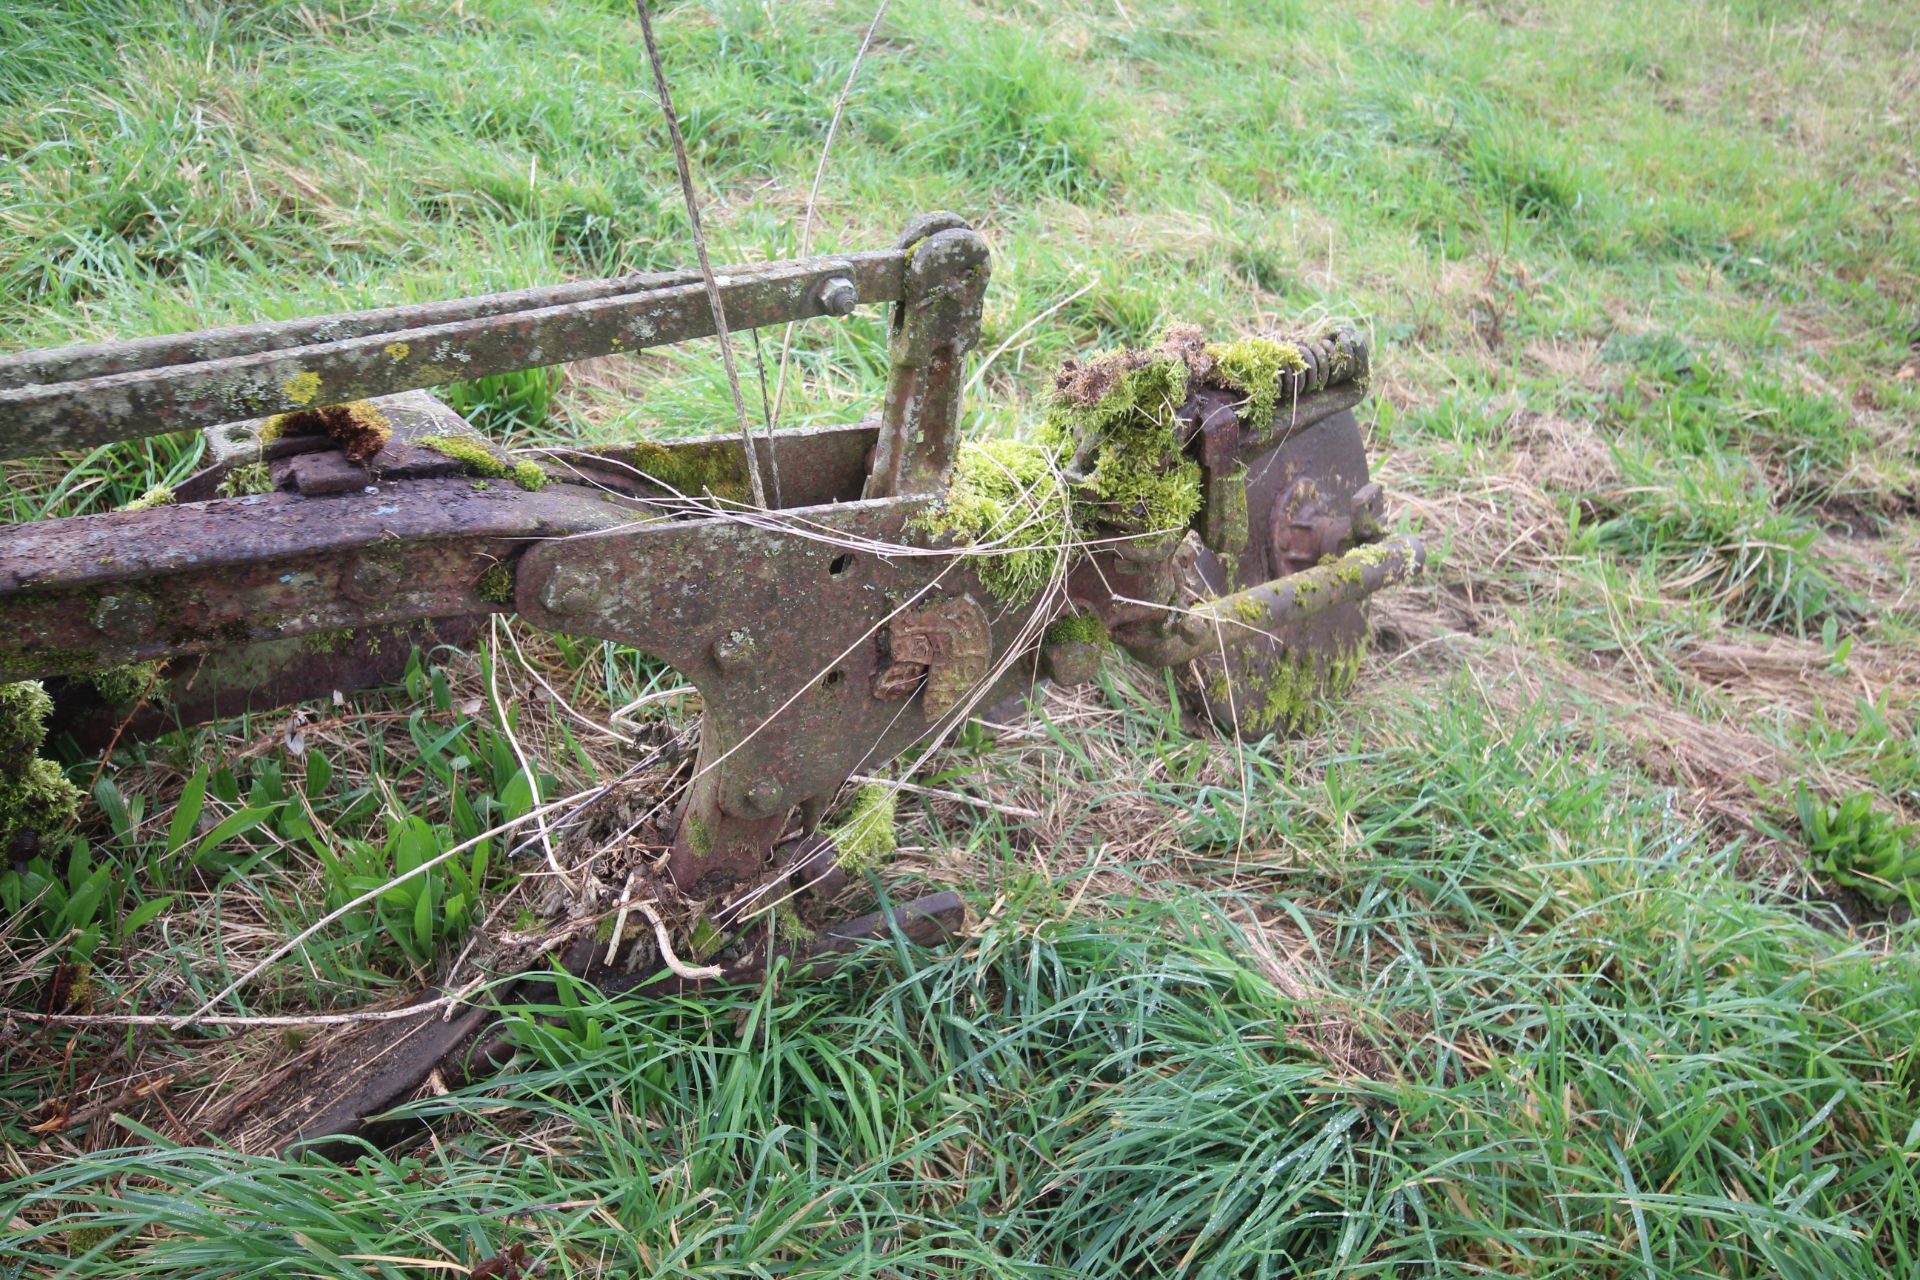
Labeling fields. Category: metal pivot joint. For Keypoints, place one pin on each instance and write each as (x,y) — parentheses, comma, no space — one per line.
(934,325)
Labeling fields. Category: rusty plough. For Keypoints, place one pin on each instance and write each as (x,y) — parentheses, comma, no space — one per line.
(854,618)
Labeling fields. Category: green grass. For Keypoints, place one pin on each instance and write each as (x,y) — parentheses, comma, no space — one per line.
(1528,966)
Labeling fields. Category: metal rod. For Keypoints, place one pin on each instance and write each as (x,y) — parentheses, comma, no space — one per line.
(685,168)
(97,359)
(1299,597)
(44,419)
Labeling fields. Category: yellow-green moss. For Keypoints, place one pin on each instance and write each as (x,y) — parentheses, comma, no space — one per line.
(496,585)
(476,457)
(1077,628)
(1009,498)
(791,926)
(249,478)
(126,683)
(710,468)
(469,453)
(35,794)
(301,388)
(1138,480)
(1293,693)
(158,496)
(865,836)
(705,938)
(328,643)
(1253,367)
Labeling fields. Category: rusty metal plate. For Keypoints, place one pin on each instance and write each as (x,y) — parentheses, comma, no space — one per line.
(784,632)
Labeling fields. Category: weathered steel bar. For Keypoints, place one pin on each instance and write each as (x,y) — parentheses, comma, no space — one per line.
(97,359)
(44,419)
(92,591)
(1285,602)
(935,324)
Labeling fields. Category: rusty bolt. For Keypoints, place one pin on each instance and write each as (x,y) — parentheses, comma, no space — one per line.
(838,297)
(570,588)
(765,798)
(1070,662)
(371,580)
(731,651)
(124,618)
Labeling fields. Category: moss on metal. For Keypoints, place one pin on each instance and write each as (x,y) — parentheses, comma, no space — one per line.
(1254,367)
(1290,696)
(1077,628)
(496,584)
(705,469)
(158,496)
(328,643)
(1125,441)
(1009,499)
(480,460)
(249,478)
(126,683)
(35,796)
(865,837)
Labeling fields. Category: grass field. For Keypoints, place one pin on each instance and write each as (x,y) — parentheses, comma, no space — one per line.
(1578,944)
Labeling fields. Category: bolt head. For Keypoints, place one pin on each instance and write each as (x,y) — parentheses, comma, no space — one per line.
(731,651)
(124,618)
(371,580)
(570,589)
(838,297)
(763,799)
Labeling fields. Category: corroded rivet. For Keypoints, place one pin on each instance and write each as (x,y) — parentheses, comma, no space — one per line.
(570,589)
(763,799)
(1070,662)
(838,297)
(371,580)
(732,650)
(124,617)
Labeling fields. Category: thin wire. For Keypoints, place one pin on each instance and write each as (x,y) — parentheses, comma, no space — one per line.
(813,195)
(700,248)
(766,415)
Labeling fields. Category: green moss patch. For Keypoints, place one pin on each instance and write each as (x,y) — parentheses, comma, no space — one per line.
(865,836)
(126,683)
(249,478)
(158,496)
(477,458)
(1077,628)
(1008,497)
(35,796)
(1255,367)
(697,470)
(496,585)
(1290,697)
